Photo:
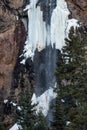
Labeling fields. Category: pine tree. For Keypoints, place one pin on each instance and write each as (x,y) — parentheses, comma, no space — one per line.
(2,127)
(79,122)
(41,122)
(58,122)
(72,78)
(26,115)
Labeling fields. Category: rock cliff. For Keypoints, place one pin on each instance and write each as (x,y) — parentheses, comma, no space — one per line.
(10,43)
(12,39)
(78,9)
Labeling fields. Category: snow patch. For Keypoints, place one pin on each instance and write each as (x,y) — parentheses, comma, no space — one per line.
(44,101)
(62,100)
(17,18)
(5,101)
(14,104)
(68,122)
(71,23)
(15,127)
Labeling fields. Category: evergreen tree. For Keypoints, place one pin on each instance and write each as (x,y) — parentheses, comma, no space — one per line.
(58,122)
(26,115)
(79,120)
(2,127)
(41,122)
(72,79)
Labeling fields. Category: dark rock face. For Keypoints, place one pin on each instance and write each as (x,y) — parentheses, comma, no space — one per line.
(14,4)
(20,70)
(9,10)
(6,18)
(78,9)
(11,42)
(12,39)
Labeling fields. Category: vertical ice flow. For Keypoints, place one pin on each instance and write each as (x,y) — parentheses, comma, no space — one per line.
(36,29)
(40,34)
(58,23)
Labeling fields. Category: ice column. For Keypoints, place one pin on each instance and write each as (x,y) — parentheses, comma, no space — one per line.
(58,23)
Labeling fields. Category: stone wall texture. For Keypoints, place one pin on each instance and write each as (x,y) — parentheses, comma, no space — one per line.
(78,9)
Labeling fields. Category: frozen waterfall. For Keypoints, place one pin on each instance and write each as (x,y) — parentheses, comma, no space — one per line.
(39,33)
(58,23)
(48,25)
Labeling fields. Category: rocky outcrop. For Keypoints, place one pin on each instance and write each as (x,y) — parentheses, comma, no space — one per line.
(78,9)
(6,18)
(12,39)
(10,43)
(16,4)
(9,12)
